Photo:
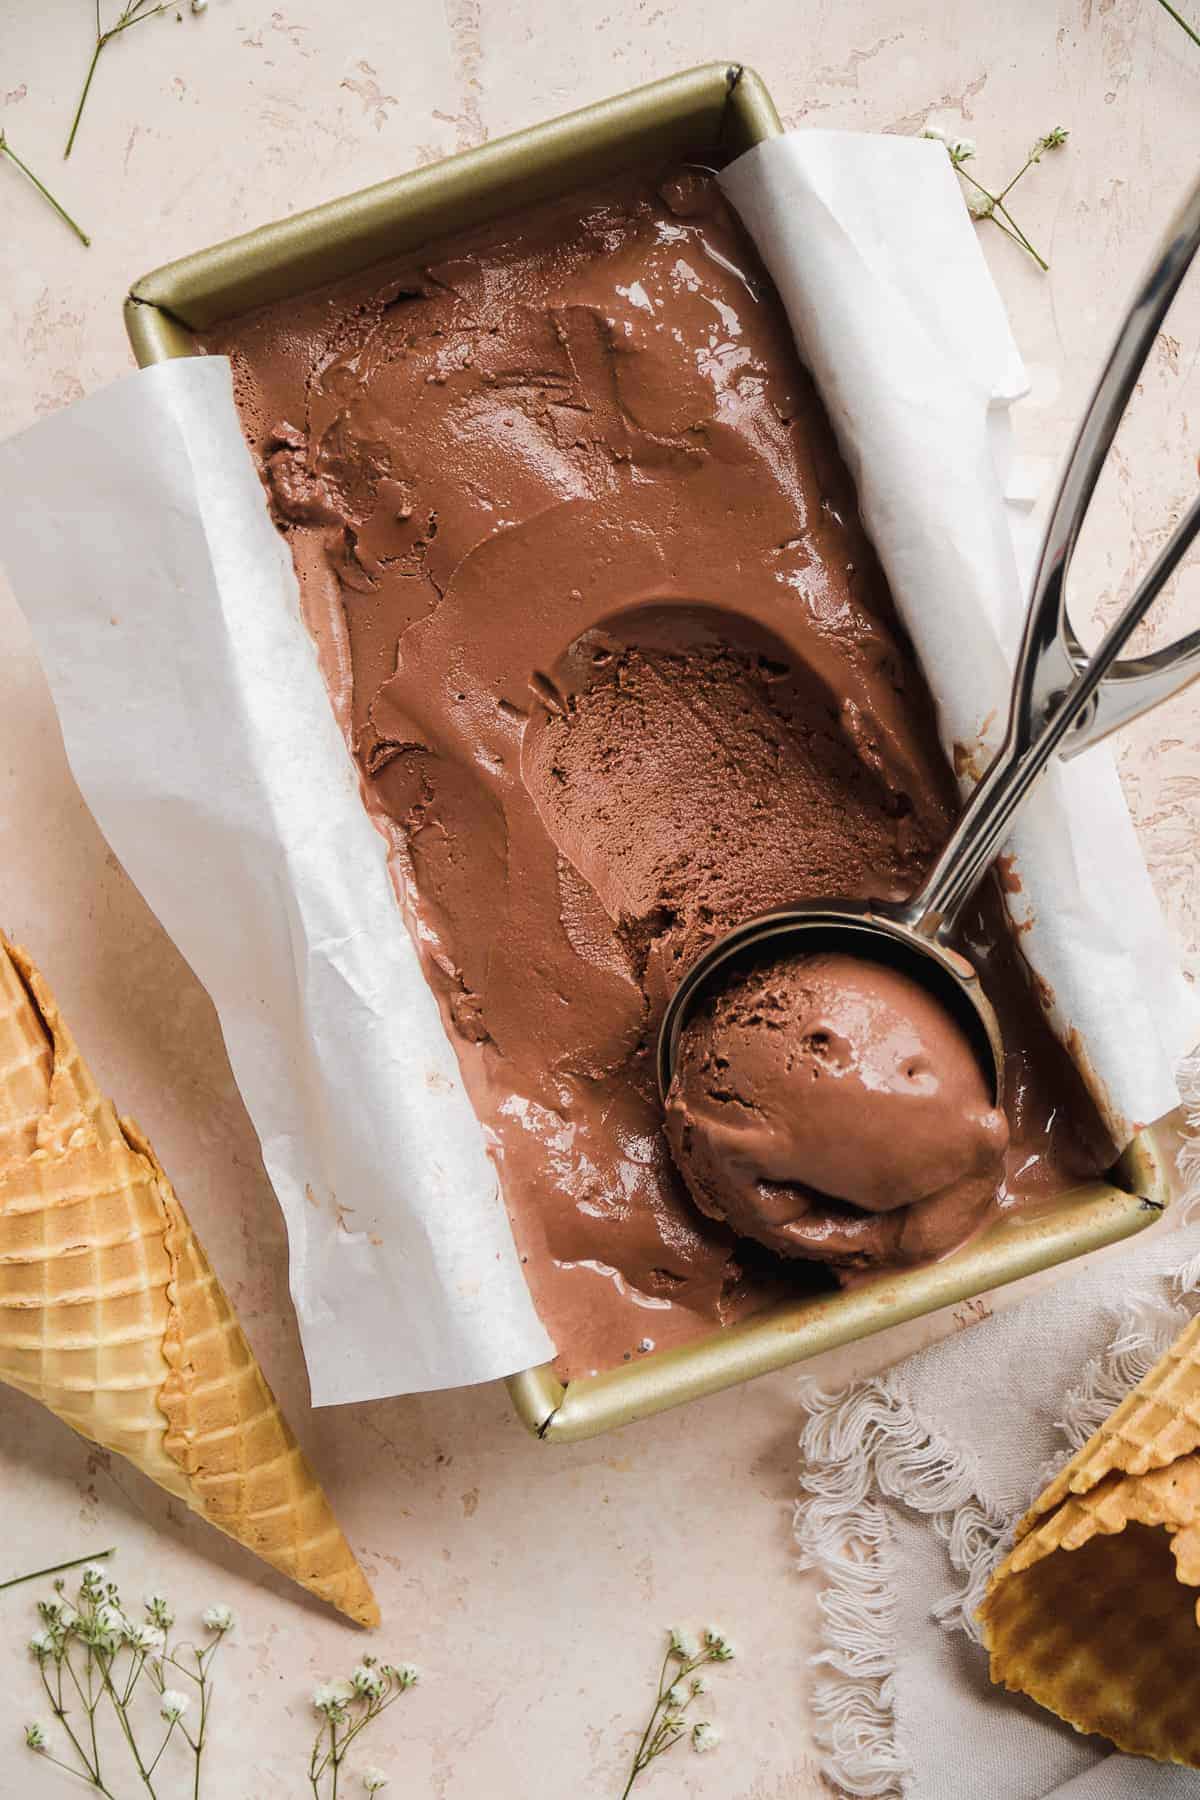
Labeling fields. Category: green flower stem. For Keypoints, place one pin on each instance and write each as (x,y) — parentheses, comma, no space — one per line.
(638,1764)
(1181,22)
(170,1732)
(58,1708)
(1008,225)
(123,1719)
(1025,166)
(87,88)
(134,14)
(99,1555)
(6,149)
(203,1658)
(665,1728)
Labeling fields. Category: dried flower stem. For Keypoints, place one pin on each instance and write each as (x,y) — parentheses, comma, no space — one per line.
(1181,22)
(666,1724)
(6,149)
(982,203)
(76,1562)
(134,12)
(346,1709)
(91,1652)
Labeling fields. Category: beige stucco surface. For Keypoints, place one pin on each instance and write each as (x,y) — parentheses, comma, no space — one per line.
(530,1584)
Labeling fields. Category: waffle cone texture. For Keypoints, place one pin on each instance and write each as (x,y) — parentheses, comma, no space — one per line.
(111,1315)
(1095,1612)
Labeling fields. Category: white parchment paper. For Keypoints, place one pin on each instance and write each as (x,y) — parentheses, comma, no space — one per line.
(198,725)
(894,310)
(167,617)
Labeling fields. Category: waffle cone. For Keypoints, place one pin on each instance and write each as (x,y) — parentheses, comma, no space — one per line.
(1094,1613)
(111,1315)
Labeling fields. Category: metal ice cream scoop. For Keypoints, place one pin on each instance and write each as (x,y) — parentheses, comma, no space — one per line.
(1063,701)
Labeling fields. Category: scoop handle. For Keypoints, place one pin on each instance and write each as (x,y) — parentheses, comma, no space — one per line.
(1062,700)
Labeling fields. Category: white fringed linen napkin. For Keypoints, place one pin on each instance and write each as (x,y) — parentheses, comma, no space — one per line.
(911,1483)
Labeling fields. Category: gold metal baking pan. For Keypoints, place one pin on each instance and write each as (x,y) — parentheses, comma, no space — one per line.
(715,112)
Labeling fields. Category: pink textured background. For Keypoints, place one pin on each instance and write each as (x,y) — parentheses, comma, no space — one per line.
(531,1584)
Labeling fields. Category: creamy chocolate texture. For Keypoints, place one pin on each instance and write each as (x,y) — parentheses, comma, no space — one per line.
(619,668)
(831,1108)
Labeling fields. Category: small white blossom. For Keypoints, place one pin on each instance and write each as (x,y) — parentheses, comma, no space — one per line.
(367,1679)
(675,1696)
(160,1610)
(705,1737)
(684,1645)
(935,132)
(173,1705)
(35,1736)
(962,149)
(699,1685)
(92,1578)
(111,1620)
(199,6)
(219,1619)
(373,1780)
(41,1645)
(408,1675)
(146,1638)
(52,1610)
(332,1697)
(719,1644)
(980,206)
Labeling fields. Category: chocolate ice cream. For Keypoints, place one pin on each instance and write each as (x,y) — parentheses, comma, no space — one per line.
(831,1108)
(619,668)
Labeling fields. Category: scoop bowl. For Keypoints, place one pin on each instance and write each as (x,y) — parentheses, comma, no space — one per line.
(874,931)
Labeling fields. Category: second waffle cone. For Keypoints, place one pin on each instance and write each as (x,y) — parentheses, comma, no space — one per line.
(111,1315)
(1095,1612)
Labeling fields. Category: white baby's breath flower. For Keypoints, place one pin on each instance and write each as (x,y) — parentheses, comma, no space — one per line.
(332,1697)
(719,1644)
(172,1705)
(705,1737)
(199,6)
(962,149)
(408,1675)
(684,1645)
(41,1645)
(699,1685)
(112,1620)
(367,1679)
(219,1619)
(146,1638)
(935,132)
(1053,140)
(373,1780)
(92,1577)
(980,206)
(675,1696)
(35,1736)
(52,1610)
(161,1612)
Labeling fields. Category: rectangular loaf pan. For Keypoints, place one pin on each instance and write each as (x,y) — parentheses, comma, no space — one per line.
(714,112)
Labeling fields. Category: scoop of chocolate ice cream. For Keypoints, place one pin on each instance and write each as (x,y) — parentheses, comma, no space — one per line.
(831,1108)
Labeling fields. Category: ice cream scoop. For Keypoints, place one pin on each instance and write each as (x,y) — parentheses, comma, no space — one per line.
(1062,702)
(831,1107)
